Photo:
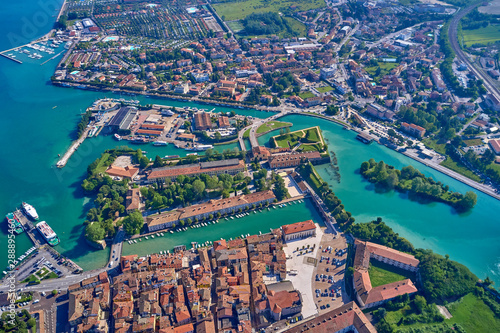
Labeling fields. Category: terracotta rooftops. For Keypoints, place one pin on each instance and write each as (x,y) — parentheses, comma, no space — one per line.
(298,227)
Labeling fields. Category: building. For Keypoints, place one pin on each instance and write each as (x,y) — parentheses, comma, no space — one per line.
(289,160)
(347,318)
(133,200)
(495,145)
(126,172)
(284,303)
(261,153)
(413,129)
(223,206)
(122,119)
(493,102)
(379,112)
(327,72)
(231,166)
(224,122)
(202,121)
(368,296)
(298,230)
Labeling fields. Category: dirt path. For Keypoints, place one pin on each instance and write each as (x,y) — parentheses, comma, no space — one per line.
(444,311)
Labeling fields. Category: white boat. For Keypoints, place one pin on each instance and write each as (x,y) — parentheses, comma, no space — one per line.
(117,137)
(30,211)
(160,143)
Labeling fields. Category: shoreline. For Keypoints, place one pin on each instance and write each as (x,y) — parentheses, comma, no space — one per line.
(444,170)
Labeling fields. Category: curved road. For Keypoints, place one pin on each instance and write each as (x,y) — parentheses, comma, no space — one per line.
(488,82)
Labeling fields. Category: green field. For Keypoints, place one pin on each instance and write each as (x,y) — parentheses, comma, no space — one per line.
(230,11)
(306,94)
(385,68)
(310,139)
(490,34)
(473,142)
(381,274)
(272,125)
(246,135)
(297,26)
(324,89)
(473,315)
(236,26)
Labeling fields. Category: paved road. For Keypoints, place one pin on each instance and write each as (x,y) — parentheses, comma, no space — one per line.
(488,82)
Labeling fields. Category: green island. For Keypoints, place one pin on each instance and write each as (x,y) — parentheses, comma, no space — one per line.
(309,139)
(410,180)
(108,213)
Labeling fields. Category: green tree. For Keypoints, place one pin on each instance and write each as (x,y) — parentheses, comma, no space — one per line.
(31,322)
(54,292)
(133,223)
(158,162)
(94,232)
(198,187)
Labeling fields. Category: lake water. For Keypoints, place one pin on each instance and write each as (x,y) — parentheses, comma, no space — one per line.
(33,133)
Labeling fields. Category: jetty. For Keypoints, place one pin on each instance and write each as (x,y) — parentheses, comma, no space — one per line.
(74,146)
(10,58)
(57,55)
(29,228)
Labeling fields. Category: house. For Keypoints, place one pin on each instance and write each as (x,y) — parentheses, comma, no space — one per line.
(368,296)
(379,112)
(202,121)
(493,102)
(495,145)
(224,122)
(223,206)
(346,318)
(231,166)
(127,172)
(413,129)
(298,230)
(292,159)
(133,200)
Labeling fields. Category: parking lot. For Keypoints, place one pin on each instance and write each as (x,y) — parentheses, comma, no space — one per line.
(328,281)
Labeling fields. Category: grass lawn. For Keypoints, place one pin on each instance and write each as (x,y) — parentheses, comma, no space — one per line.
(310,138)
(473,315)
(246,135)
(240,9)
(381,274)
(31,278)
(473,142)
(325,89)
(236,26)
(272,125)
(296,26)
(385,68)
(306,94)
(101,167)
(460,168)
(490,34)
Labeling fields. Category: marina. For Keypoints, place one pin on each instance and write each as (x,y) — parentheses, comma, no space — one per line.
(237,226)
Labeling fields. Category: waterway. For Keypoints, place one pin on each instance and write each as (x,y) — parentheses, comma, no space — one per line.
(260,221)
(33,133)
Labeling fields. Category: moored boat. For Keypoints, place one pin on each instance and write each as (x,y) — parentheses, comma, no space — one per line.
(30,211)
(14,223)
(47,233)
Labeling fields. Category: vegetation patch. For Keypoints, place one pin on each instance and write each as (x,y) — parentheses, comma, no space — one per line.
(237,10)
(381,273)
(324,89)
(473,142)
(473,314)
(307,137)
(484,35)
(410,180)
(306,94)
(271,125)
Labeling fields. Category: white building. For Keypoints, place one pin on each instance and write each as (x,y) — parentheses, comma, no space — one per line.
(298,230)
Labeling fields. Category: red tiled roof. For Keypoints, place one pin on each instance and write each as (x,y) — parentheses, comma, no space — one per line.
(298,227)
(128,171)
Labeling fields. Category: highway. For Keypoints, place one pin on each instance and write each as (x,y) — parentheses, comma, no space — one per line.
(488,82)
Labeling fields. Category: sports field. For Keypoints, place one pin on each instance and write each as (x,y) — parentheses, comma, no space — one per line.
(490,34)
(230,11)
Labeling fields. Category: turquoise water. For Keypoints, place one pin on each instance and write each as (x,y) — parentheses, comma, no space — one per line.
(32,133)
(227,229)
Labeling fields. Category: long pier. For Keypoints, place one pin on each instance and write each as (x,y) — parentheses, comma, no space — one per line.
(74,146)
(29,228)
(10,58)
(57,55)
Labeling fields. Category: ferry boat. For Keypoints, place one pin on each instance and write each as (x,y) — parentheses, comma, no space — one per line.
(160,143)
(16,225)
(172,156)
(139,140)
(117,137)
(47,233)
(200,147)
(30,211)
(192,154)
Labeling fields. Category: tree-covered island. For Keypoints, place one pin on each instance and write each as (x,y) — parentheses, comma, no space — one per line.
(410,180)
